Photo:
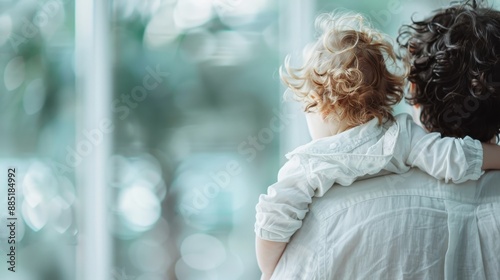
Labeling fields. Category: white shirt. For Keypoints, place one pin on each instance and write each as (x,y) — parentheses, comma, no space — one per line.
(407,226)
(314,168)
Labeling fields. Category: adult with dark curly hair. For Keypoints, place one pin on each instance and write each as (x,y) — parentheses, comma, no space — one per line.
(412,226)
(455,71)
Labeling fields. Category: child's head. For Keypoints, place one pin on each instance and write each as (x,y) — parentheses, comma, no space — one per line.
(344,76)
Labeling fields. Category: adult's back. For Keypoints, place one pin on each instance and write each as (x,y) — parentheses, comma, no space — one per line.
(408,226)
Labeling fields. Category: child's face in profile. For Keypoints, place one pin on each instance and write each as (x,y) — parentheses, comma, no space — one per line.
(319,128)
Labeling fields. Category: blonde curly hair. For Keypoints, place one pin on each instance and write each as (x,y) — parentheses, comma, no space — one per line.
(345,73)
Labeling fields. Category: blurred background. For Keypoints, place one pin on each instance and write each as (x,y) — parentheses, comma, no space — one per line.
(143,131)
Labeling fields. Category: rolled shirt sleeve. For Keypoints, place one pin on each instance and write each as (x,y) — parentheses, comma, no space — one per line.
(281,210)
(452,159)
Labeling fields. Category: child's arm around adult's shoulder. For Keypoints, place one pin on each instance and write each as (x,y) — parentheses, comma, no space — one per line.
(491,156)
(447,158)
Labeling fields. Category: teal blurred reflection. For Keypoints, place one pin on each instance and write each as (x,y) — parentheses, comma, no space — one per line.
(37,123)
(218,64)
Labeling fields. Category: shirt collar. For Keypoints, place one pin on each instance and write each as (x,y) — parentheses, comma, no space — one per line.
(341,143)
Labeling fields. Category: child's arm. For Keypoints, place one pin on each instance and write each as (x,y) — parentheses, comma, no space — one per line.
(449,158)
(280,213)
(491,156)
(268,255)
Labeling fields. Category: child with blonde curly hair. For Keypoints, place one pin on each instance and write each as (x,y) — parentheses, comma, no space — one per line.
(348,89)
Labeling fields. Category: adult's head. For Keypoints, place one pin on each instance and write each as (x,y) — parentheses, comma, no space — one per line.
(455,70)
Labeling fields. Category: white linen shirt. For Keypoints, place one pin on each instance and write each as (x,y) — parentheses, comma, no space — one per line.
(367,149)
(399,226)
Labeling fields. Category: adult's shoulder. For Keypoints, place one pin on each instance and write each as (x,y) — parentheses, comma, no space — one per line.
(489,186)
(414,183)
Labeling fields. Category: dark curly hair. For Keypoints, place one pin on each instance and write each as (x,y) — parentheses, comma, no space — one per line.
(454,58)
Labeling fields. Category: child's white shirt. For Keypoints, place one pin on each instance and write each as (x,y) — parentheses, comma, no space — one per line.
(312,169)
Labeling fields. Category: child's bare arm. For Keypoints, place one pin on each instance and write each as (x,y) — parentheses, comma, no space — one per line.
(268,255)
(491,156)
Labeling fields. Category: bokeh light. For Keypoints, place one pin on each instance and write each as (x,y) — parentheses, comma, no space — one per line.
(235,13)
(34,97)
(36,217)
(39,183)
(60,213)
(192,13)
(139,207)
(203,252)
(161,29)
(5,28)
(14,73)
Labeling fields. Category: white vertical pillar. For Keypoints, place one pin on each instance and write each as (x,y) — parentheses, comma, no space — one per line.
(93,86)
(296,30)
